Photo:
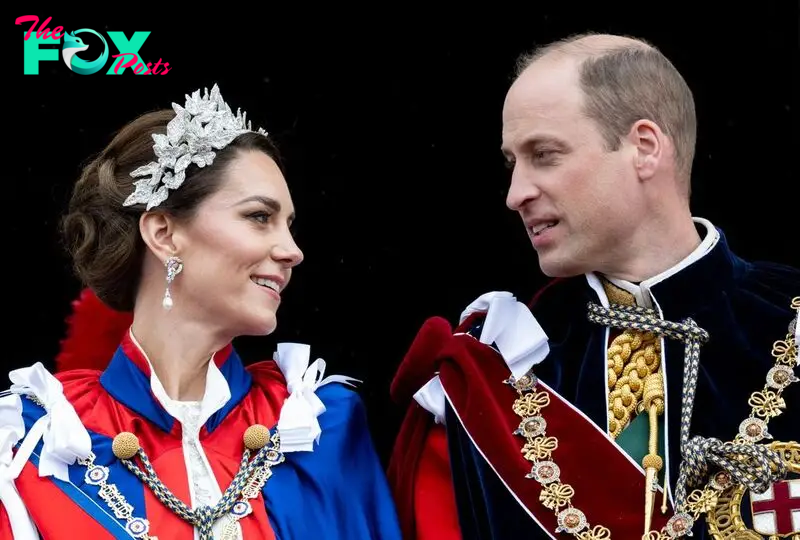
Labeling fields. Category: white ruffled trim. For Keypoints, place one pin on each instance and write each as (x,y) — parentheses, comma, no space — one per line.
(511,326)
(65,440)
(298,425)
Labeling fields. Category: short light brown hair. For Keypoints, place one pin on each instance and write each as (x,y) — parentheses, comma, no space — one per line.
(626,80)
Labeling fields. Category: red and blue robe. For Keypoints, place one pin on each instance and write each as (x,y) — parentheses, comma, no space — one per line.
(336,491)
(463,477)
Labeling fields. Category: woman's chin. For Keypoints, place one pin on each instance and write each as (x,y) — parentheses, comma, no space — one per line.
(258,324)
(246,315)
(266,326)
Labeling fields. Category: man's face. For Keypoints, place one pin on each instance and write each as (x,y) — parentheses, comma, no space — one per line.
(580,202)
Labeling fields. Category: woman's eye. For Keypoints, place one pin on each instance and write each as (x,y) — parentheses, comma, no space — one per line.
(260,217)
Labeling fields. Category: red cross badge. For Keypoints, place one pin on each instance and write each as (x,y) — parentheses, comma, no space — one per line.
(776,512)
(772,515)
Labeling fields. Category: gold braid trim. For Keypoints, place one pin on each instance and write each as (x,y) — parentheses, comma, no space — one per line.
(636,385)
(653,403)
(632,357)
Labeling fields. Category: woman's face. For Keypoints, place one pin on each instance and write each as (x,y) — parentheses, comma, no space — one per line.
(238,252)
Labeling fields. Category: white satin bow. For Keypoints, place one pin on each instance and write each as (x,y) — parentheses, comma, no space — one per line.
(513,329)
(65,440)
(511,326)
(298,425)
(12,429)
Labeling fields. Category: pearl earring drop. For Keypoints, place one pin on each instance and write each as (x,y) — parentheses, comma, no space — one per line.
(174,266)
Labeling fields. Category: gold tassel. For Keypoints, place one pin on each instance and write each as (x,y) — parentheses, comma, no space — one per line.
(653,401)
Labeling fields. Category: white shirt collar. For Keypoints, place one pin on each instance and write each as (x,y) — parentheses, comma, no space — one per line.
(642,292)
(216,395)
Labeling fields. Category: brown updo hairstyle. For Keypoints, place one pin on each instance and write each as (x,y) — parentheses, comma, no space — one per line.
(102,236)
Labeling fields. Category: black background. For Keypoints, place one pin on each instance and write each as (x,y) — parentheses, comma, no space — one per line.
(390,124)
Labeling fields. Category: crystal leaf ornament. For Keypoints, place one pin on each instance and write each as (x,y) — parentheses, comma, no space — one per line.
(205,123)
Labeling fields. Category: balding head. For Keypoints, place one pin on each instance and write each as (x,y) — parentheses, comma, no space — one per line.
(584,46)
(623,80)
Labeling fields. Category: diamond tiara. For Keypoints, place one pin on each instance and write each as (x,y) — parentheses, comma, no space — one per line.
(204,124)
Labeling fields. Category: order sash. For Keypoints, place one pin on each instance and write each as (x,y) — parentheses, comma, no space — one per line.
(609,486)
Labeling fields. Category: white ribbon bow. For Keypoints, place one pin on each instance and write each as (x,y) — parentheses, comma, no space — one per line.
(508,324)
(511,326)
(12,429)
(298,425)
(65,438)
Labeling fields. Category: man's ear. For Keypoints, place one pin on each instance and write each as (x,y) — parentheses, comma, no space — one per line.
(649,141)
(157,230)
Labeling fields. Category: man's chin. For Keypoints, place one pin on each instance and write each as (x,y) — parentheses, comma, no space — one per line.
(554,268)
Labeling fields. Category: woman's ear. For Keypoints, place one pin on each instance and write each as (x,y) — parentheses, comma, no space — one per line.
(157,230)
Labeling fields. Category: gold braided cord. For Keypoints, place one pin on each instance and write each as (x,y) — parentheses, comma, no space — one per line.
(632,357)
(636,385)
(652,462)
(654,404)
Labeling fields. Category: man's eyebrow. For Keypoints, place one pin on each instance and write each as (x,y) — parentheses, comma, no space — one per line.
(533,141)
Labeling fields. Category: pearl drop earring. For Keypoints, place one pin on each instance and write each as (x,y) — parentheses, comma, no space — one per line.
(174,266)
